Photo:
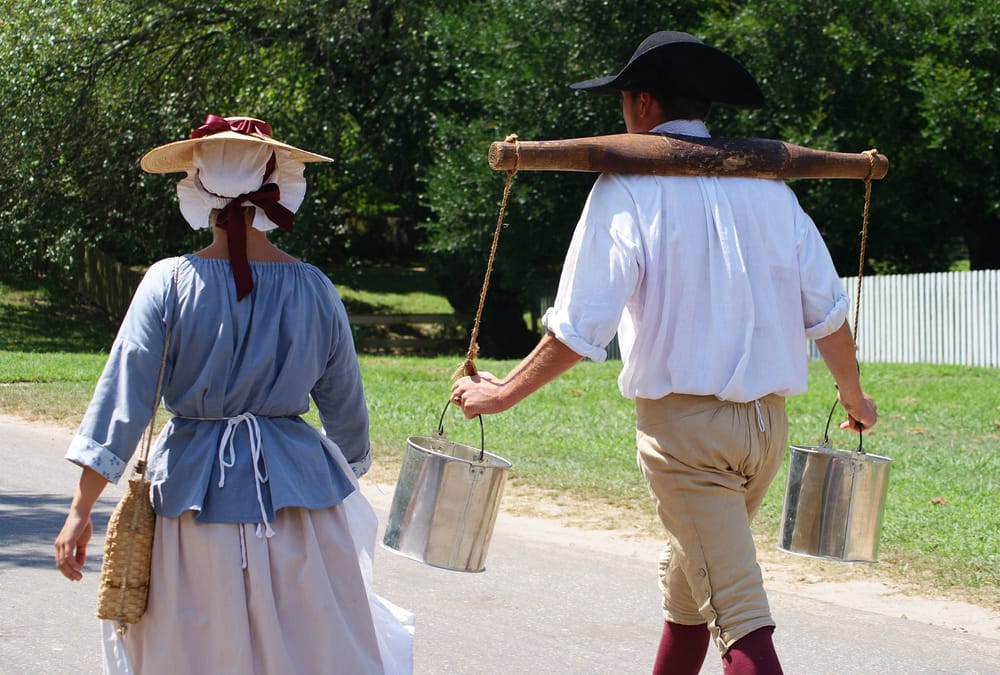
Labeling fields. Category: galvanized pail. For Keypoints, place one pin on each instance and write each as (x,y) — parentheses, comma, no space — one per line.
(445,504)
(834,503)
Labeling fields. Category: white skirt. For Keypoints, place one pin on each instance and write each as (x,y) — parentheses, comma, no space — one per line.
(223,600)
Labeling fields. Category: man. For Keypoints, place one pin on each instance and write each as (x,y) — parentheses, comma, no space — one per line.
(712,285)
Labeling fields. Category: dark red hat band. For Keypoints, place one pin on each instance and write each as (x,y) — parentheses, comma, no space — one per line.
(266,197)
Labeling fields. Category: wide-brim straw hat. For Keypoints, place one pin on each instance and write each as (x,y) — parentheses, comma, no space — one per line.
(178,156)
(678,63)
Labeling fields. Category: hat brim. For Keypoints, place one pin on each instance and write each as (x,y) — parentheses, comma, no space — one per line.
(688,69)
(598,85)
(179,156)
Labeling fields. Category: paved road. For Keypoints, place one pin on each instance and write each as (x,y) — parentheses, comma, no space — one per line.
(548,603)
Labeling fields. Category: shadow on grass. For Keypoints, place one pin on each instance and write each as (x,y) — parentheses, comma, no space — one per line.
(37,316)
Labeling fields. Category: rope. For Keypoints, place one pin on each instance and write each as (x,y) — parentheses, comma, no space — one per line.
(468,368)
(870,154)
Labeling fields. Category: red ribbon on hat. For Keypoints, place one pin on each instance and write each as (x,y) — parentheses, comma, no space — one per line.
(231,220)
(266,197)
(241,125)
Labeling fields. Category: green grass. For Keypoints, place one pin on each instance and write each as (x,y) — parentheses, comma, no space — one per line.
(940,427)
(376,290)
(37,317)
(574,439)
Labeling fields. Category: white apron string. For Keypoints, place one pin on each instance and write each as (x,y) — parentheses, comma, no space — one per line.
(227,459)
(243,544)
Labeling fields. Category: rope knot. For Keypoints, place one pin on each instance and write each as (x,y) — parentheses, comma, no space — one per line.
(512,138)
(870,154)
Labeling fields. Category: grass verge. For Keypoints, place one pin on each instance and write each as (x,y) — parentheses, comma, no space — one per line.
(572,443)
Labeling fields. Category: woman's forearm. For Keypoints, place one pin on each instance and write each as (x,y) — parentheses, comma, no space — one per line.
(89,488)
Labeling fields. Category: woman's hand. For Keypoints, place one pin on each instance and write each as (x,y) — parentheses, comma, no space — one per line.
(71,544)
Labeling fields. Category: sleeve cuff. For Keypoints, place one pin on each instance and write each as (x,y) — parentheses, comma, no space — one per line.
(361,467)
(569,337)
(85,452)
(832,321)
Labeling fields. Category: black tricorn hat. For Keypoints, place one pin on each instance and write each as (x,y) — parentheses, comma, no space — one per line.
(678,63)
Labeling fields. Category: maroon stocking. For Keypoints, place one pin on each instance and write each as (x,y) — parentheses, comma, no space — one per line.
(682,649)
(752,654)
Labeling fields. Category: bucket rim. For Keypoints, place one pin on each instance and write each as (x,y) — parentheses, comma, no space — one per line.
(829,450)
(874,560)
(494,458)
(424,561)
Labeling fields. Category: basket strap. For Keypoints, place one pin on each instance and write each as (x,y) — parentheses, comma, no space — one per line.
(140,465)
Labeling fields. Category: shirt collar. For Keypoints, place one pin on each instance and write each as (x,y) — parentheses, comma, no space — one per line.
(683,128)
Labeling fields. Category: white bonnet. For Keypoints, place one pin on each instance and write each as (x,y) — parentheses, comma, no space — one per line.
(225,169)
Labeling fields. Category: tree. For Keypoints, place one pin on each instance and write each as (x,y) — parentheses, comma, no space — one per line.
(847,76)
(407,96)
(90,89)
(504,67)
(914,78)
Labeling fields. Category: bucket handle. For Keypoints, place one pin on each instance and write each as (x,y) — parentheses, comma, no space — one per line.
(482,432)
(826,432)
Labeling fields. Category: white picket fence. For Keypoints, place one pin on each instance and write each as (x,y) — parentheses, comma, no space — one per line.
(946,317)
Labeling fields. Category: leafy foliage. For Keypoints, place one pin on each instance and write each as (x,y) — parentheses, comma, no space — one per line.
(505,68)
(94,86)
(407,96)
(913,78)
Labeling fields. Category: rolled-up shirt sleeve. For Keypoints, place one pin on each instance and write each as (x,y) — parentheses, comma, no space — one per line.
(824,302)
(601,270)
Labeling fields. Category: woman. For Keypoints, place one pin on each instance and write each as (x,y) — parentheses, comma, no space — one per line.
(263,546)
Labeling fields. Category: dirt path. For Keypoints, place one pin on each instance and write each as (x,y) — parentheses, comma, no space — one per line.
(584,525)
(852,585)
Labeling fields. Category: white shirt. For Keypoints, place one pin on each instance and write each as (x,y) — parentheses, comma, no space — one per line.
(712,284)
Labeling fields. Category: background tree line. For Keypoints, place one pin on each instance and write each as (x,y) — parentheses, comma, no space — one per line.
(407,95)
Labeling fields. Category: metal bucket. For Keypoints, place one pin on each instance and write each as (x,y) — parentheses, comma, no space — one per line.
(445,504)
(834,503)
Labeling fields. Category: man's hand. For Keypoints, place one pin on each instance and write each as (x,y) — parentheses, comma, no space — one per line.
(479,394)
(862,413)
(485,394)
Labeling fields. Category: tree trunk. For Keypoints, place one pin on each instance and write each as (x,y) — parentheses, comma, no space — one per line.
(503,334)
(982,238)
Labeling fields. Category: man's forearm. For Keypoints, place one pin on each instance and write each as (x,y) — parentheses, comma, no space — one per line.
(548,360)
(486,394)
(839,353)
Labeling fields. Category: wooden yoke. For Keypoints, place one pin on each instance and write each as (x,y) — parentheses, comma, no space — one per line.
(662,155)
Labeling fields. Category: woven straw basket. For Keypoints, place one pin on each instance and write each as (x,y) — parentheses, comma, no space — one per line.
(128,548)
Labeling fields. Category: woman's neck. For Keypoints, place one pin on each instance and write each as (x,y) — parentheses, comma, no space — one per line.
(259,247)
